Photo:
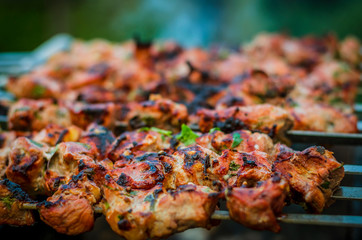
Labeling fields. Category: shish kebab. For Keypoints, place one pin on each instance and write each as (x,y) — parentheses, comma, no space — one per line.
(237,166)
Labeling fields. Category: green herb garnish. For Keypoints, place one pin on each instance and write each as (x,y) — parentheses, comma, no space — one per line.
(161,131)
(236,140)
(143,129)
(36,143)
(186,136)
(8,201)
(214,129)
(38,91)
(233,166)
(106,204)
(325,185)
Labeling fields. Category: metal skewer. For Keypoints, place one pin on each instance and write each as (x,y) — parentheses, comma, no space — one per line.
(353,169)
(326,220)
(296,218)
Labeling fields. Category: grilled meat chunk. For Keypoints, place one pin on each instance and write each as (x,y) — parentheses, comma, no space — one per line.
(258,207)
(11,199)
(134,143)
(322,118)
(28,115)
(70,209)
(27,165)
(265,118)
(53,134)
(157,112)
(242,141)
(65,160)
(157,213)
(312,174)
(82,115)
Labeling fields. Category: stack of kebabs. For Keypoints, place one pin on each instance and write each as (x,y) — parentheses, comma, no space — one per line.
(108,125)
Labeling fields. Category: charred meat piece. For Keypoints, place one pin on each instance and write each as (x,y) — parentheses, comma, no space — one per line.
(99,138)
(265,118)
(27,165)
(134,143)
(65,160)
(242,141)
(53,134)
(82,115)
(192,164)
(258,207)
(312,174)
(156,213)
(157,112)
(241,168)
(11,199)
(35,86)
(323,118)
(27,114)
(70,209)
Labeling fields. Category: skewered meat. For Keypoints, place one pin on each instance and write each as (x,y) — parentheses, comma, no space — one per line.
(265,118)
(28,114)
(312,174)
(259,206)
(155,180)
(156,212)
(11,199)
(26,165)
(74,202)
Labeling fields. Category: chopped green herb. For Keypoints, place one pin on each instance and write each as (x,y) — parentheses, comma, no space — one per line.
(106,204)
(143,129)
(325,185)
(336,100)
(131,193)
(186,136)
(214,129)
(338,167)
(161,131)
(38,91)
(109,187)
(36,143)
(148,120)
(233,166)
(53,150)
(236,140)
(87,146)
(8,201)
(206,190)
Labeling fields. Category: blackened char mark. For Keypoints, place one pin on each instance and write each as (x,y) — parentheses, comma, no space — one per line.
(230,124)
(16,191)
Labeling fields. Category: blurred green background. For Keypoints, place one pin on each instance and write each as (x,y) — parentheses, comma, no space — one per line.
(25,24)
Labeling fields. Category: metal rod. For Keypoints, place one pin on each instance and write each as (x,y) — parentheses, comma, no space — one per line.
(326,138)
(326,220)
(353,169)
(348,193)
